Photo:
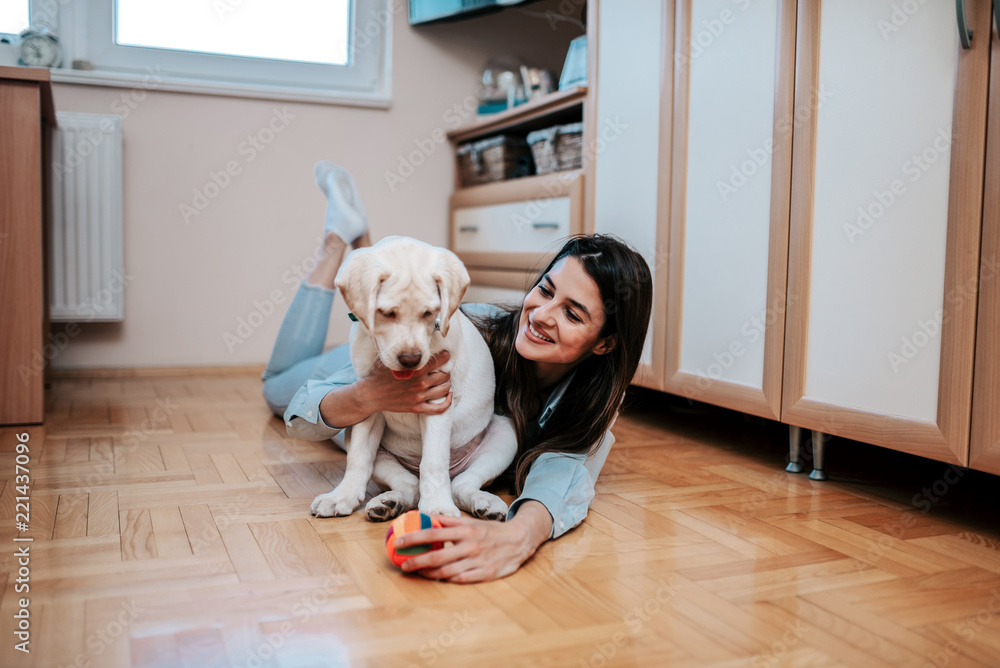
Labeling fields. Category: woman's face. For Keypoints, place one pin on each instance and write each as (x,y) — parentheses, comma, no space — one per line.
(562,317)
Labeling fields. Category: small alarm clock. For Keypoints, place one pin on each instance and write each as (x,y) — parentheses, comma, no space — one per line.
(40,47)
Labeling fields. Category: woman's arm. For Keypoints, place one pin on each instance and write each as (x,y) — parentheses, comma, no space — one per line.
(381,391)
(481,550)
(556,497)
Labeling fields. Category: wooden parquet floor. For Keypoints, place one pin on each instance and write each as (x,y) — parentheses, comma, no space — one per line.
(170,526)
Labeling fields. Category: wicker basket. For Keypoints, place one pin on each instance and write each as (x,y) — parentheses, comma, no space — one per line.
(493,159)
(558,148)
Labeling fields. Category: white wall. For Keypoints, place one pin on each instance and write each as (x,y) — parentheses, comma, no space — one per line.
(189,283)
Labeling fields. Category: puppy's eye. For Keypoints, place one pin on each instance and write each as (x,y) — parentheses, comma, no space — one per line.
(427,314)
(389,315)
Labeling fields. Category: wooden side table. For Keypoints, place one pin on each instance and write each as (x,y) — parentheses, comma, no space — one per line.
(28,115)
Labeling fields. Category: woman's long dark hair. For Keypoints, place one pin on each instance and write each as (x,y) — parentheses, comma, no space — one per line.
(597,390)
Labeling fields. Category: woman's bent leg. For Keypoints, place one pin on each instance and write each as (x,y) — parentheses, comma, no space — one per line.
(303,330)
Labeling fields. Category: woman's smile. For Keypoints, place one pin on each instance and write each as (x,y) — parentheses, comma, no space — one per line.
(535,333)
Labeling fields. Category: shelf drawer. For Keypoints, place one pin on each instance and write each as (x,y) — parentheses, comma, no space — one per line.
(516,225)
(512,227)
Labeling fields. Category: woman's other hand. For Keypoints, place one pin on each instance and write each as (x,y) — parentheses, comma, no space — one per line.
(381,391)
(481,550)
(385,392)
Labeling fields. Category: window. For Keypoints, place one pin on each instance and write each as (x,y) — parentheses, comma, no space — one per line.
(13,16)
(319,50)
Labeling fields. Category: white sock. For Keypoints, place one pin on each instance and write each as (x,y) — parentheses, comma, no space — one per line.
(345,216)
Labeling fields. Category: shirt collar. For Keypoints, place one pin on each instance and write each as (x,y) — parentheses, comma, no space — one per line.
(554,398)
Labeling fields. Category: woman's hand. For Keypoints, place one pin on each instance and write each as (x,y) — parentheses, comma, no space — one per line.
(481,550)
(384,392)
(381,391)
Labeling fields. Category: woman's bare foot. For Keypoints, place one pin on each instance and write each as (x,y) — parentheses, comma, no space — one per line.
(325,271)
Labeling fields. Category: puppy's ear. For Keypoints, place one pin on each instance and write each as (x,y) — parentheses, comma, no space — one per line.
(359,280)
(452,281)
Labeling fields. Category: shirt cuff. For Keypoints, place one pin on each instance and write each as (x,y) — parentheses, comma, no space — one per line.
(303,419)
(562,484)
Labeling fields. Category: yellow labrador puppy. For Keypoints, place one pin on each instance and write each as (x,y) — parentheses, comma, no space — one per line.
(405,296)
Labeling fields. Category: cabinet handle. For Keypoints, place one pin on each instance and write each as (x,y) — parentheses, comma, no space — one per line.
(539,226)
(468,228)
(964,34)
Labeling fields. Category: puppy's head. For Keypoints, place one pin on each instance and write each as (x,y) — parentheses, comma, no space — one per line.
(402,290)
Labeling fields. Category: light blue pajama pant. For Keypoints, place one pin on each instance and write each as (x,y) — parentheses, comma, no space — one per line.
(298,351)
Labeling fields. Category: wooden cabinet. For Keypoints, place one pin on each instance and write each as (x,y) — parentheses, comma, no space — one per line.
(631,116)
(27,111)
(887,181)
(506,231)
(810,175)
(984,452)
(731,155)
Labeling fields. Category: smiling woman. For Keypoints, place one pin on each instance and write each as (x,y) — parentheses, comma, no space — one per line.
(562,360)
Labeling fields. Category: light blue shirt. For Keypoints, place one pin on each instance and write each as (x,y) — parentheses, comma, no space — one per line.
(563,483)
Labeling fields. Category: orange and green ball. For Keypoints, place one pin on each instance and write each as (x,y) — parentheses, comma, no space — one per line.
(409,522)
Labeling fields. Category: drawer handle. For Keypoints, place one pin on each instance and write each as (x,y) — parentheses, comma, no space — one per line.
(468,228)
(551,226)
(964,34)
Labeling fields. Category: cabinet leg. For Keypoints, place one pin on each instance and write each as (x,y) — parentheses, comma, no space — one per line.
(794,449)
(819,440)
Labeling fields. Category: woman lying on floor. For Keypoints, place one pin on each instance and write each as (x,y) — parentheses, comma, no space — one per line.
(567,353)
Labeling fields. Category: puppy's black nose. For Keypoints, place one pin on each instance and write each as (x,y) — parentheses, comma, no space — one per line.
(409,361)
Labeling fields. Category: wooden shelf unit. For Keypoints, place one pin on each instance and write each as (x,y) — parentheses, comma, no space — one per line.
(521,116)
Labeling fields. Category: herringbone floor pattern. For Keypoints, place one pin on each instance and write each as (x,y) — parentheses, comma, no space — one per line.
(170,527)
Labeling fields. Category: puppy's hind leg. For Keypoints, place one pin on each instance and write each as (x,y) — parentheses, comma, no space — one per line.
(403,494)
(494,455)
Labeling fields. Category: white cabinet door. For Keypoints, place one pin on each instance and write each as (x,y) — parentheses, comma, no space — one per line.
(630,135)
(885,218)
(732,142)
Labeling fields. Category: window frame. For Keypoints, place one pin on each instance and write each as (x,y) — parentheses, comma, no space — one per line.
(86,33)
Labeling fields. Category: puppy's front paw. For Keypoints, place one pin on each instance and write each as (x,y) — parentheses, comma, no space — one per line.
(387,505)
(335,504)
(484,505)
(439,507)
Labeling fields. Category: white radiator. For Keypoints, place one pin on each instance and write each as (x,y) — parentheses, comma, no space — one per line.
(87,278)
